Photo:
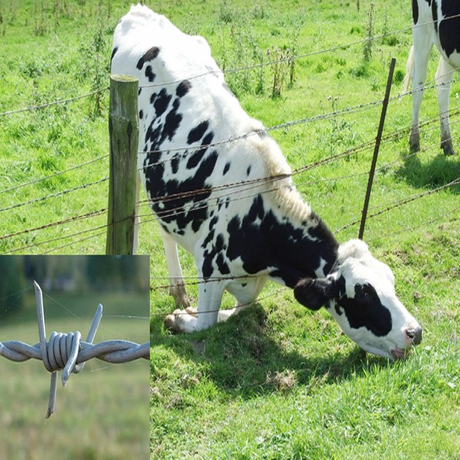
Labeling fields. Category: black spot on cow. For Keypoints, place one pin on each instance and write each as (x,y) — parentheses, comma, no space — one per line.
(160,101)
(175,164)
(208,139)
(248,171)
(195,158)
(141,114)
(149,73)
(114,51)
(172,121)
(434,12)
(226,168)
(151,54)
(153,135)
(415,11)
(449,28)
(139,91)
(197,133)
(366,310)
(217,255)
(183,88)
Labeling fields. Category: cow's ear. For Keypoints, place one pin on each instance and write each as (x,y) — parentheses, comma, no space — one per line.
(314,293)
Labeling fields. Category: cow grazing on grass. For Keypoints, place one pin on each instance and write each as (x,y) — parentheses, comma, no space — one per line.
(435,22)
(233,205)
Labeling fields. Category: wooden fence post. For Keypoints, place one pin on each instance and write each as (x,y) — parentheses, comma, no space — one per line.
(124,135)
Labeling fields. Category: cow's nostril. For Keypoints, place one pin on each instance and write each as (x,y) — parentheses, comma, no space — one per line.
(414,334)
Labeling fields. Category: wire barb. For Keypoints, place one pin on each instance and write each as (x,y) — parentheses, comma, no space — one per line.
(67,352)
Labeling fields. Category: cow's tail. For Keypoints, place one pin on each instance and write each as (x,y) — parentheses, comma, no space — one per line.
(409,66)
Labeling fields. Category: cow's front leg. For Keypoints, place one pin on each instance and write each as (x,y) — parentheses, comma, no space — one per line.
(205,316)
(176,280)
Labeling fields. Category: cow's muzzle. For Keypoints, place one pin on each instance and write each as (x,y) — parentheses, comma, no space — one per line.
(414,335)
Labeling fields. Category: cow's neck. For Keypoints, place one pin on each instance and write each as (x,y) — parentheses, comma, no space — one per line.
(307,249)
(282,237)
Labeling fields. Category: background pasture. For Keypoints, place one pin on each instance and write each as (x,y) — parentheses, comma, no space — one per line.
(277,381)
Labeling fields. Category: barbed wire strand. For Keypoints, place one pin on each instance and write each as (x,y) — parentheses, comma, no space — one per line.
(67,353)
(54,195)
(59,173)
(399,203)
(237,69)
(57,223)
(297,57)
(49,104)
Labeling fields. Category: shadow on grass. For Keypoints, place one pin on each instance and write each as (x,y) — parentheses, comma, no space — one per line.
(440,171)
(245,357)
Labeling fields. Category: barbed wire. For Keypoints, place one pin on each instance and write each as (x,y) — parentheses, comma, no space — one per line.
(442,219)
(205,202)
(54,224)
(67,352)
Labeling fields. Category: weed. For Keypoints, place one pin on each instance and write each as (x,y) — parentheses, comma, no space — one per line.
(282,64)
(368,44)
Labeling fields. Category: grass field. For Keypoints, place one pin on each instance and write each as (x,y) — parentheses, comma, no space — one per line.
(277,381)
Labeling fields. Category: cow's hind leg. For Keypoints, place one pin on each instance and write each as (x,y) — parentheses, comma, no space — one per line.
(444,77)
(206,315)
(176,280)
(245,292)
(422,50)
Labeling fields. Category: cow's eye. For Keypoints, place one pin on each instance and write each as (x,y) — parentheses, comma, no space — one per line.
(364,292)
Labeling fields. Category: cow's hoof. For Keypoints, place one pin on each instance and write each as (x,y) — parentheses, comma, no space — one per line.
(448,150)
(171,322)
(192,311)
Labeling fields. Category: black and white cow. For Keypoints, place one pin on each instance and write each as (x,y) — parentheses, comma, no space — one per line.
(435,22)
(233,204)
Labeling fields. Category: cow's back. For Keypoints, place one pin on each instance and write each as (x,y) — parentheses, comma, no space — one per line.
(187,116)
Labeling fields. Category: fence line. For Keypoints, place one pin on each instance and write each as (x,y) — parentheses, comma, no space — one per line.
(242,186)
(53,195)
(397,204)
(354,109)
(42,179)
(237,69)
(59,222)
(49,104)
(67,352)
(432,221)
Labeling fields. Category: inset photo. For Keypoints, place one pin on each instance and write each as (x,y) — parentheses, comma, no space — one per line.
(74,357)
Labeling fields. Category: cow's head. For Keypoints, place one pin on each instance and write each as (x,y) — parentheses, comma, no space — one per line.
(360,295)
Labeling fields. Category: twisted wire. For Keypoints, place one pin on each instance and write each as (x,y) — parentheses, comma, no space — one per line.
(67,352)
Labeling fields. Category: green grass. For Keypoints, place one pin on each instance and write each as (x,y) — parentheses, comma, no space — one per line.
(277,381)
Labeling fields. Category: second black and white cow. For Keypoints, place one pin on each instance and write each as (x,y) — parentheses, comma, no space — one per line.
(435,22)
(233,205)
